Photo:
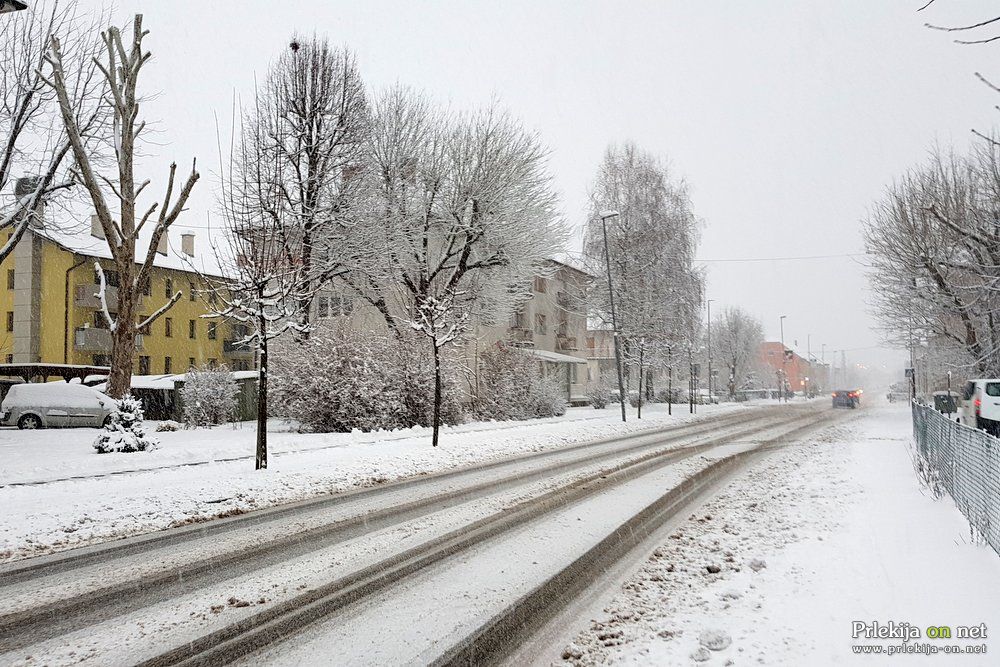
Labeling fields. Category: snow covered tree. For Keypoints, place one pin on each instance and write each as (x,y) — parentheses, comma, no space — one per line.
(312,116)
(209,396)
(465,214)
(651,248)
(124,431)
(32,138)
(115,194)
(737,336)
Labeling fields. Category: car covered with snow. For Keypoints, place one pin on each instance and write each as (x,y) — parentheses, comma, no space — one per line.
(54,405)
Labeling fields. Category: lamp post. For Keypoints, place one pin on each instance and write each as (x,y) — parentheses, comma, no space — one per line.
(709,306)
(8,6)
(784,374)
(611,300)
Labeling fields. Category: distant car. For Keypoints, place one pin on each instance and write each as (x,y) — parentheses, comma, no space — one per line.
(847,398)
(981,405)
(55,405)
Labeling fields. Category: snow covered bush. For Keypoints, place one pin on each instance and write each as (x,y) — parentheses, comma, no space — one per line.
(341,380)
(209,396)
(168,425)
(124,431)
(599,394)
(512,387)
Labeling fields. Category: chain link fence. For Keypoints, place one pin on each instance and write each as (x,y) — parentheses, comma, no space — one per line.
(964,463)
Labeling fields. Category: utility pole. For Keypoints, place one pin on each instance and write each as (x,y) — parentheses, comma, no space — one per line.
(784,374)
(611,299)
(709,305)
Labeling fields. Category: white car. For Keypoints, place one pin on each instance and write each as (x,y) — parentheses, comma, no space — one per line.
(980,403)
(54,405)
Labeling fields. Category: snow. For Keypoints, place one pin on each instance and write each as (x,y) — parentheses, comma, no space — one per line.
(57,493)
(812,539)
(57,394)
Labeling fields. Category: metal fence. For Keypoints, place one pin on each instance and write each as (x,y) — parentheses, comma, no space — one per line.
(964,463)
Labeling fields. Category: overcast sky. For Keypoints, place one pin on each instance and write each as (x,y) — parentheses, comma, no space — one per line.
(786,118)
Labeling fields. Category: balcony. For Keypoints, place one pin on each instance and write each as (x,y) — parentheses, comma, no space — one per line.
(566,343)
(86,297)
(92,339)
(237,349)
(522,337)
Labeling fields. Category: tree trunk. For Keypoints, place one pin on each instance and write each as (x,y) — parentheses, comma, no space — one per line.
(437,393)
(123,340)
(641,350)
(261,460)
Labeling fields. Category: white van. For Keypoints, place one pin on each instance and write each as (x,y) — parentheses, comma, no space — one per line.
(981,405)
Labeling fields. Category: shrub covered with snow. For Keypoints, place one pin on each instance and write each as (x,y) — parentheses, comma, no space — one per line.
(168,425)
(513,387)
(209,396)
(339,380)
(599,393)
(124,431)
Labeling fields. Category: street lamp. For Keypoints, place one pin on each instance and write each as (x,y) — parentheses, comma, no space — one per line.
(708,304)
(611,300)
(784,374)
(8,6)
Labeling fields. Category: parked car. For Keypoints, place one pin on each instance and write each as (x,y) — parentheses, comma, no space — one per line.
(55,405)
(847,398)
(981,405)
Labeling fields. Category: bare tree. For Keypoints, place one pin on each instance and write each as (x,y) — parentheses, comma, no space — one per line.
(651,243)
(261,287)
(31,131)
(118,192)
(465,215)
(313,114)
(737,335)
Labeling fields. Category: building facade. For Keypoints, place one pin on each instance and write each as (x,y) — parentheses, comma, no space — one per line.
(776,360)
(52,313)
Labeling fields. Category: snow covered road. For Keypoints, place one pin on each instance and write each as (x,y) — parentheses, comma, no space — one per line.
(264,584)
(809,541)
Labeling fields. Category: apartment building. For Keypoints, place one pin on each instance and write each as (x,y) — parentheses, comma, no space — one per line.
(53,314)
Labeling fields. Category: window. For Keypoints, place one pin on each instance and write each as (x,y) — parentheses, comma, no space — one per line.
(193,293)
(102,360)
(10,320)
(517,320)
(144,330)
(540,326)
(143,365)
(10,358)
(10,278)
(191,362)
(168,327)
(573,374)
(191,328)
(333,306)
(168,288)
(323,307)
(212,335)
(212,363)
(993,388)
(110,277)
(540,284)
(167,365)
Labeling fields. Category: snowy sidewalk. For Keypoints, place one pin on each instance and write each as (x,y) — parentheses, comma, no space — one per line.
(57,493)
(809,541)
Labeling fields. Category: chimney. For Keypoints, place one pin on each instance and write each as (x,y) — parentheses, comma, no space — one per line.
(95,227)
(161,247)
(187,244)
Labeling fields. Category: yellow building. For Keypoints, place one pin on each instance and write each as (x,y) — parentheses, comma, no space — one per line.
(52,314)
